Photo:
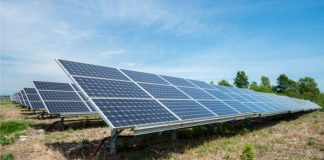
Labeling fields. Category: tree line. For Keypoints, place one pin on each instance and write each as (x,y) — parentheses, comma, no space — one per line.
(304,88)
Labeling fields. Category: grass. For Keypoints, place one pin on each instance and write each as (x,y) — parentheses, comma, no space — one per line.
(12,130)
(7,156)
(12,126)
(5,103)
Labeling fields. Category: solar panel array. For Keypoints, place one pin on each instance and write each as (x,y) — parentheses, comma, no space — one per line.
(34,99)
(127,98)
(60,98)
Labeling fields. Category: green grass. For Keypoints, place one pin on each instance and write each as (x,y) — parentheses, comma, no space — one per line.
(12,126)
(7,156)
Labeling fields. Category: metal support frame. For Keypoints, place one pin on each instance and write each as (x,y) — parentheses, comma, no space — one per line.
(112,143)
(174,135)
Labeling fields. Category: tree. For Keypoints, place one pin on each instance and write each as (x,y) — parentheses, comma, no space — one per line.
(224,83)
(265,81)
(254,86)
(284,83)
(241,80)
(307,88)
(211,82)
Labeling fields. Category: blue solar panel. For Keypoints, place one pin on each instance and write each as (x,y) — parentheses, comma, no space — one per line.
(30,91)
(266,107)
(238,98)
(61,101)
(110,88)
(239,106)
(162,91)
(52,86)
(256,108)
(82,69)
(144,77)
(249,98)
(37,105)
(83,98)
(66,107)
(59,96)
(25,100)
(222,88)
(201,84)
(187,109)
(130,112)
(218,107)
(196,93)
(219,95)
(178,81)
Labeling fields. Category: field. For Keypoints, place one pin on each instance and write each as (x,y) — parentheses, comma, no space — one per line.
(299,136)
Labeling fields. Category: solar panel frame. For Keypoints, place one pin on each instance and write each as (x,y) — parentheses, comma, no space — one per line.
(48,103)
(33,98)
(24,96)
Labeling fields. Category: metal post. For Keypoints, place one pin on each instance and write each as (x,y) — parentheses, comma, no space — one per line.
(62,123)
(113,141)
(174,135)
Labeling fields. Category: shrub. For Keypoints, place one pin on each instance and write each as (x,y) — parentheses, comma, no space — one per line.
(248,152)
(5,141)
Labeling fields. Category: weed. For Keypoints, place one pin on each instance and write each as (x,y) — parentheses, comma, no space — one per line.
(262,148)
(12,126)
(5,141)
(247,152)
(227,157)
(311,141)
(8,156)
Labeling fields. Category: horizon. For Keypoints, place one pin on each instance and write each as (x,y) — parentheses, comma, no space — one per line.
(201,40)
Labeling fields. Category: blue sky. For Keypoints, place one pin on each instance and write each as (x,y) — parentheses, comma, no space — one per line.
(203,40)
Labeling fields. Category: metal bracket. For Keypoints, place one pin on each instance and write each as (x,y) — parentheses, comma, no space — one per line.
(112,143)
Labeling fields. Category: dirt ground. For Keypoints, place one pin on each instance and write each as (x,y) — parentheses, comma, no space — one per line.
(299,137)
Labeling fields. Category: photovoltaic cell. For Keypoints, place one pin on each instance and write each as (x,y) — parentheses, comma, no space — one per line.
(144,77)
(218,107)
(60,101)
(196,93)
(187,109)
(53,86)
(34,99)
(256,108)
(201,84)
(59,96)
(82,69)
(66,107)
(129,112)
(219,95)
(178,81)
(239,106)
(110,88)
(162,91)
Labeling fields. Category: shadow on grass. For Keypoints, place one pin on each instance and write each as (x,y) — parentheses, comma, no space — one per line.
(155,146)
(74,124)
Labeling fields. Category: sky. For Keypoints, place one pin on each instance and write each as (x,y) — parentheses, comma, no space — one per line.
(203,40)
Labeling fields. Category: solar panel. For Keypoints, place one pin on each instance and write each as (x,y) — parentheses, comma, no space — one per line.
(201,84)
(130,112)
(110,88)
(187,109)
(127,98)
(239,106)
(196,93)
(82,69)
(34,99)
(163,92)
(83,98)
(25,100)
(218,107)
(60,98)
(219,95)
(144,77)
(178,81)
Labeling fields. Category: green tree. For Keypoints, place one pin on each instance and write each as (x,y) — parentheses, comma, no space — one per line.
(224,83)
(241,80)
(254,86)
(307,88)
(284,84)
(265,81)
(211,82)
